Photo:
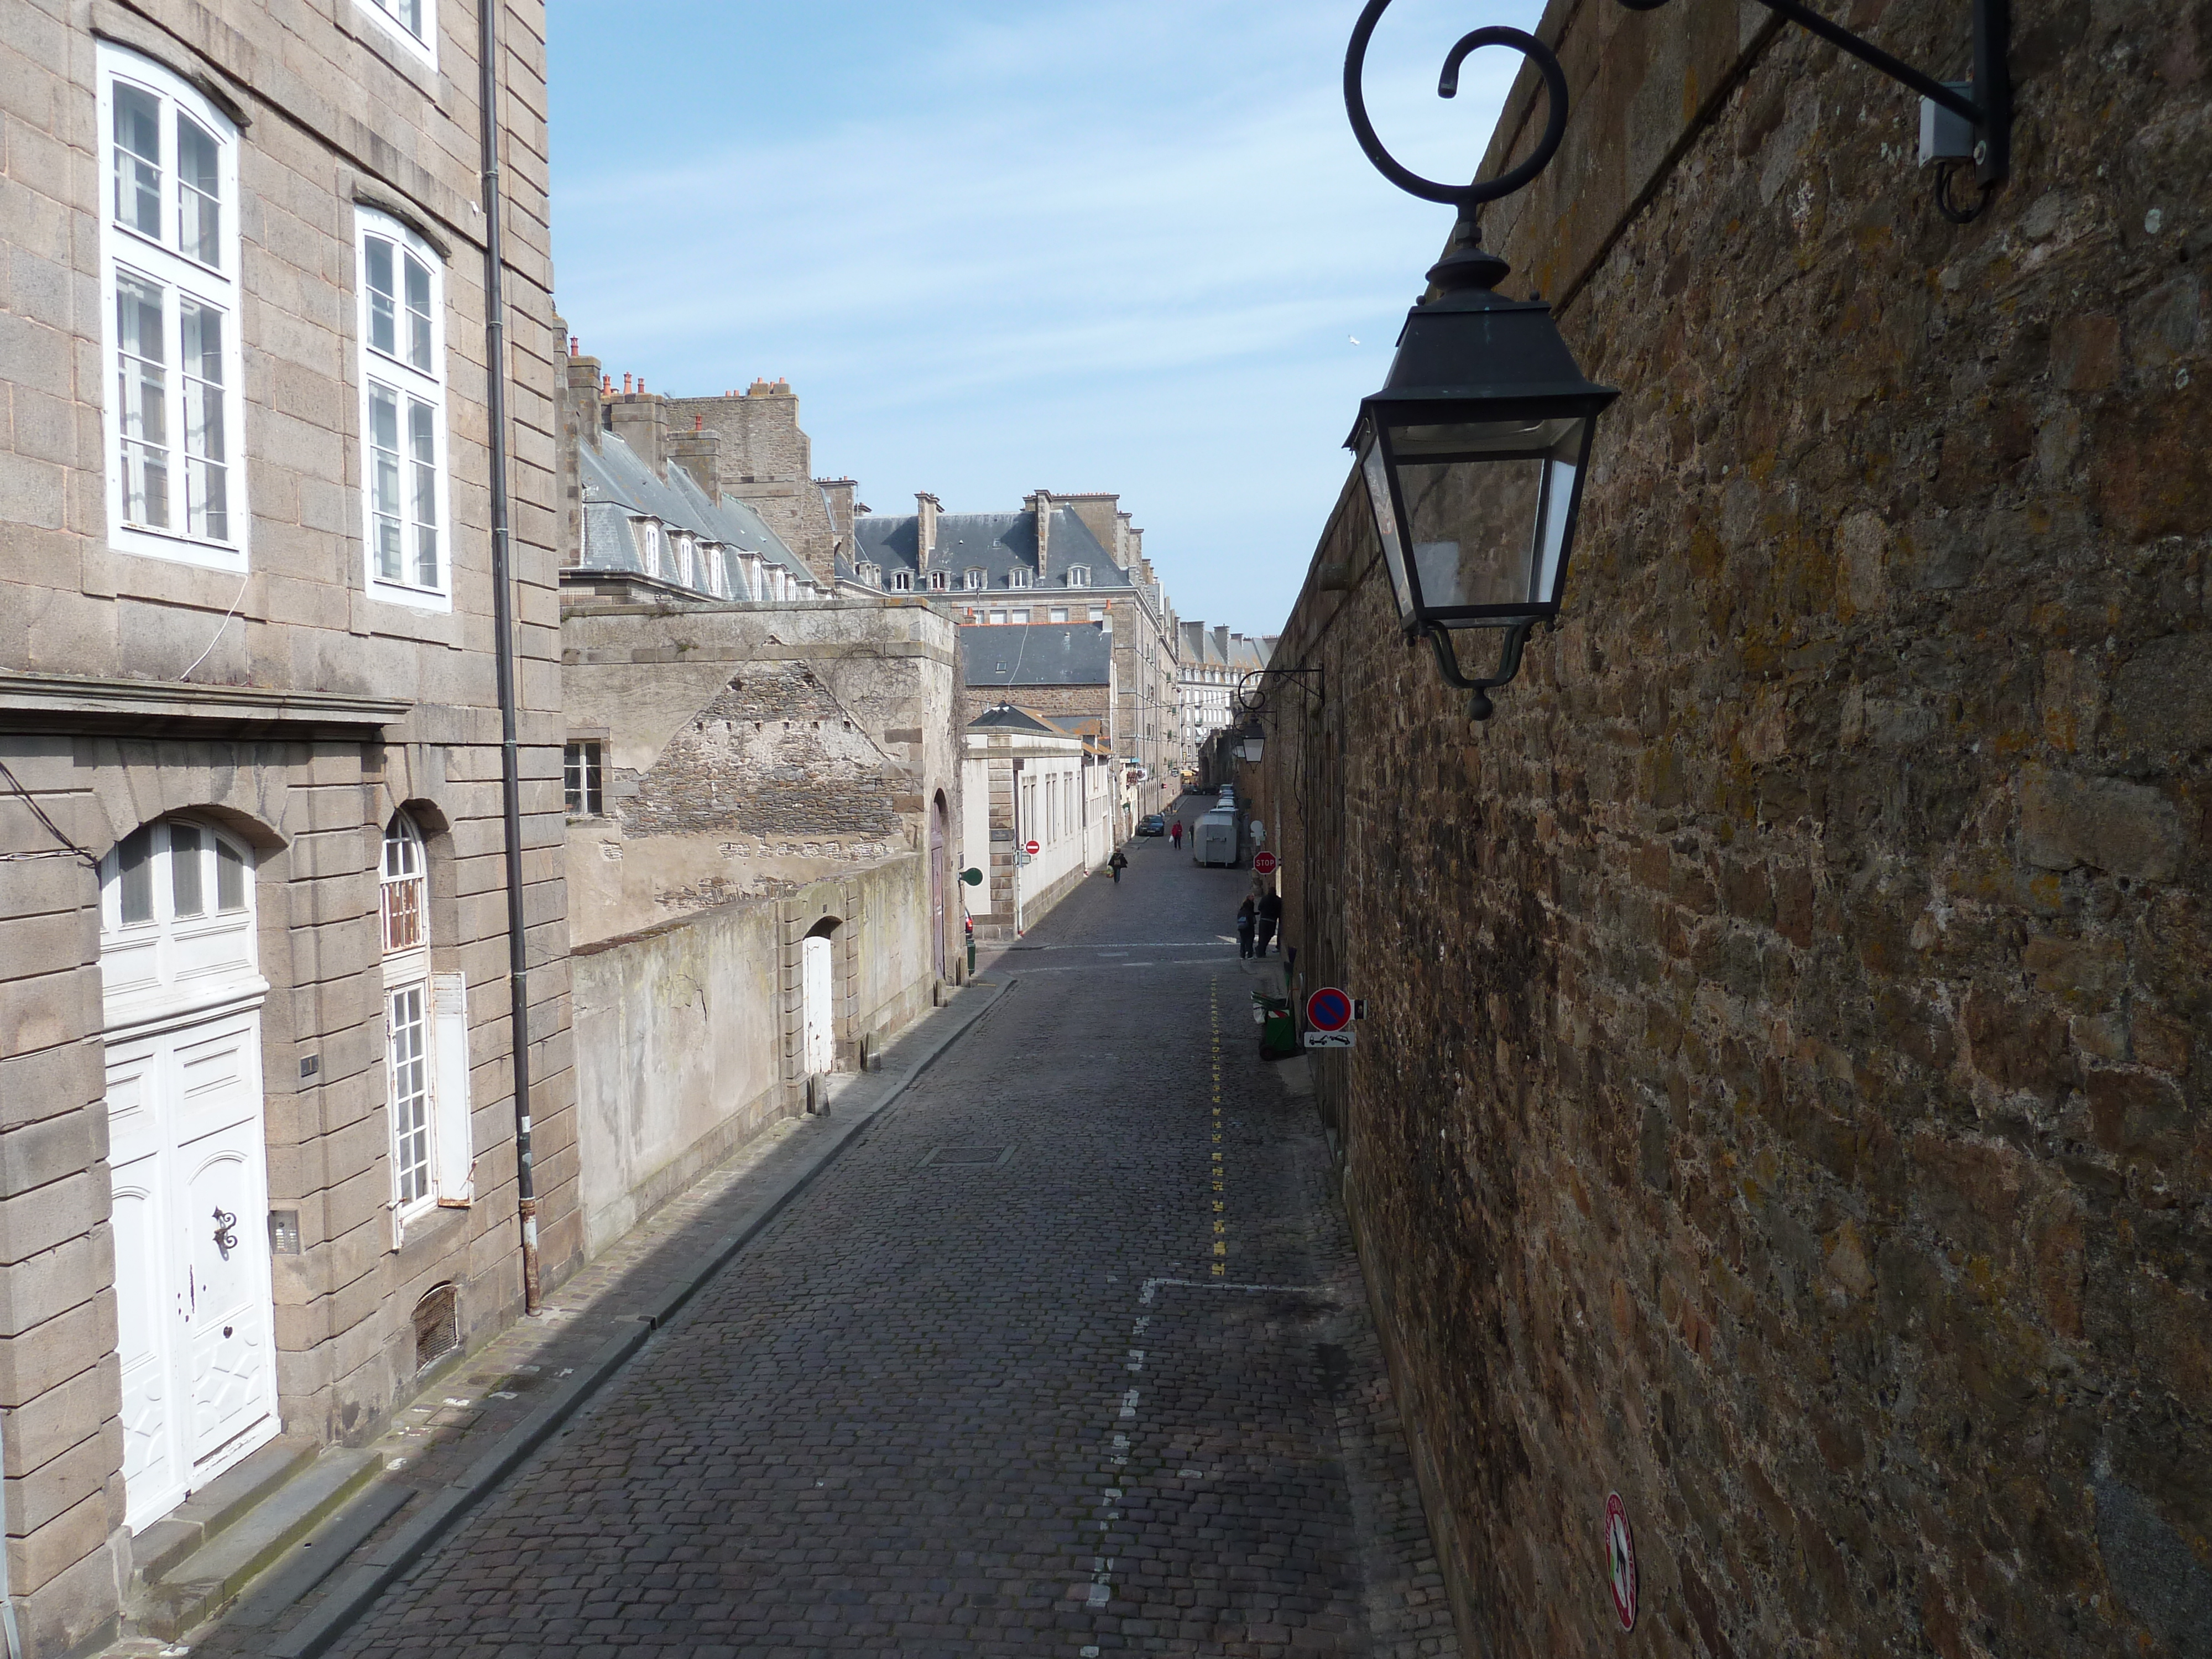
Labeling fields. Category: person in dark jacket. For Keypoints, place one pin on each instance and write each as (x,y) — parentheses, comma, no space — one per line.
(1117,863)
(1271,912)
(1247,914)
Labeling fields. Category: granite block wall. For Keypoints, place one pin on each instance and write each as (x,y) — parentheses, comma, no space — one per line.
(1784,1102)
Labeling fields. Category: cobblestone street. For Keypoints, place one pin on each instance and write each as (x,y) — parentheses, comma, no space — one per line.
(1067,1355)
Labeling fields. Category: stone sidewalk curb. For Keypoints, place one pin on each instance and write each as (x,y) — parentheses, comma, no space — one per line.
(354,1593)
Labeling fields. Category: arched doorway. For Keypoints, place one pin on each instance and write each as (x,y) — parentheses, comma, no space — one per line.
(938,876)
(182,994)
(818,1048)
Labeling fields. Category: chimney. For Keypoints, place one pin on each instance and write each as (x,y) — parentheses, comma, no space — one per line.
(926,509)
(698,451)
(1098,513)
(838,494)
(576,423)
(1041,504)
(641,421)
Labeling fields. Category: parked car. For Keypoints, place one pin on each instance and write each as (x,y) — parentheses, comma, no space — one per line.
(1153,825)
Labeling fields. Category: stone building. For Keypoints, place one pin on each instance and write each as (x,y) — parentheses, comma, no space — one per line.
(1784,1099)
(1030,778)
(257,1155)
(762,784)
(1060,559)
(1067,673)
(1211,667)
(766,461)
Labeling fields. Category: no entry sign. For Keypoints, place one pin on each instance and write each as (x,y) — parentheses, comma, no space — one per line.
(1030,847)
(1329,1009)
(1620,1559)
(1264,863)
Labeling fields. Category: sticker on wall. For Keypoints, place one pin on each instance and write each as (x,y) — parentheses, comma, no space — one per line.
(1621,1557)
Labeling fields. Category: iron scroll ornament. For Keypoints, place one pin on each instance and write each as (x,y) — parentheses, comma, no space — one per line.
(226,1232)
(1468,196)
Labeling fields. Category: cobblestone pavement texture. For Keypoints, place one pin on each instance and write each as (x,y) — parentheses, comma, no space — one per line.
(1068,1354)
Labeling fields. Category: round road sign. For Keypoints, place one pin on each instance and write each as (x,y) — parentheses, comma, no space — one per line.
(1030,847)
(1329,1009)
(1264,863)
(1621,1557)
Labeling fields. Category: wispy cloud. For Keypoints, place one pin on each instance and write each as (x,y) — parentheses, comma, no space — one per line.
(1113,246)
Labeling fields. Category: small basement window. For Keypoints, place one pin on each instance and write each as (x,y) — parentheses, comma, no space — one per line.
(437,1325)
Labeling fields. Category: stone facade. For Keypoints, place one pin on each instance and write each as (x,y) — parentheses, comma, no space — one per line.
(1784,1099)
(201,641)
(1027,778)
(767,461)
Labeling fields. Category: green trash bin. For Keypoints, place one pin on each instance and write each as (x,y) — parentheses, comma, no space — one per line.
(1279,1031)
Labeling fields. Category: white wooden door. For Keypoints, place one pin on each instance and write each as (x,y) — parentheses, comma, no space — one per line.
(191,1257)
(195,1329)
(815,1001)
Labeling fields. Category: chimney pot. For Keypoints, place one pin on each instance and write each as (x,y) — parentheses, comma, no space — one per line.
(625,385)
(698,422)
(606,386)
(572,345)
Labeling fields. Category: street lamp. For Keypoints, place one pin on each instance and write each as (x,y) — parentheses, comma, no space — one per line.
(1251,742)
(1474,454)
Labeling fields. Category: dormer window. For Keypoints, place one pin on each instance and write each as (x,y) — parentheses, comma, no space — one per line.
(901,581)
(972,578)
(938,581)
(1079,575)
(1018,578)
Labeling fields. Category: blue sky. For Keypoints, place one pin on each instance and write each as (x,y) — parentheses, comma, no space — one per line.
(1095,244)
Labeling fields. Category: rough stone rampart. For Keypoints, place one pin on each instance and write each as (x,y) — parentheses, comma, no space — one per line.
(1785,1098)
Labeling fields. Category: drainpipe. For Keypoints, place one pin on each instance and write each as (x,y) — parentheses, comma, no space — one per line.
(502,585)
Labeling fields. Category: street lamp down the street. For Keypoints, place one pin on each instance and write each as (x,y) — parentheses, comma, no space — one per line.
(1251,742)
(1473,454)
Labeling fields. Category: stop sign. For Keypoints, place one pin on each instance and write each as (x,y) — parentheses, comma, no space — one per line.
(1030,848)
(1264,863)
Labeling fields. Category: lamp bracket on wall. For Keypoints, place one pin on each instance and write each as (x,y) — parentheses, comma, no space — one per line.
(1479,706)
(1960,122)
(1252,689)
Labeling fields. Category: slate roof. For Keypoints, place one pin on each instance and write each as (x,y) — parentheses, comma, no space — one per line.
(1007,718)
(618,487)
(997,542)
(1037,653)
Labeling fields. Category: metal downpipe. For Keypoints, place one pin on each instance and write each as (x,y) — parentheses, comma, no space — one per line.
(502,582)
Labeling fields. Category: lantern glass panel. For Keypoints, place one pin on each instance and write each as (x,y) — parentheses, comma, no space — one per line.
(1487,507)
(1376,476)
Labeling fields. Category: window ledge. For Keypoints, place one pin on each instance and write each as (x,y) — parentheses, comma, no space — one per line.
(40,701)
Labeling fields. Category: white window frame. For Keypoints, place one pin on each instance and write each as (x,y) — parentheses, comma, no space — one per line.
(901,581)
(1079,575)
(583,778)
(159,260)
(1058,613)
(424,46)
(426,1023)
(940,582)
(1018,577)
(972,578)
(412,387)
(871,576)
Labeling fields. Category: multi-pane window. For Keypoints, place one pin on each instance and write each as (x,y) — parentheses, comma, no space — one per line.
(938,581)
(416,1037)
(404,888)
(1079,575)
(407,1033)
(1018,578)
(901,581)
(411,23)
(580,780)
(169,275)
(972,578)
(402,413)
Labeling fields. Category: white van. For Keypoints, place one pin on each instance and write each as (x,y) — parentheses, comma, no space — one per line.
(1215,839)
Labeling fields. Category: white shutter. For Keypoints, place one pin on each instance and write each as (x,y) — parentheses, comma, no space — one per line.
(453,1151)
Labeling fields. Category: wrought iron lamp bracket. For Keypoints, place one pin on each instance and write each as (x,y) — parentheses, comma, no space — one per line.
(1985,103)
(1252,688)
(1479,706)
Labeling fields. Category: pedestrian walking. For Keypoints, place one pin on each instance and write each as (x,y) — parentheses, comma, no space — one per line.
(1247,914)
(1174,833)
(1117,863)
(1271,912)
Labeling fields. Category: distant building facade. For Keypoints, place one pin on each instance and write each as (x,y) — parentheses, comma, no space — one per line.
(1059,559)
(1213,664)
